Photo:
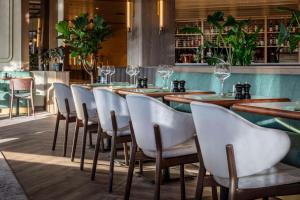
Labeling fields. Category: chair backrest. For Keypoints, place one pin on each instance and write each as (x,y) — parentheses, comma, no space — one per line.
(21,84)
(255,148)
(107,101)
(175,127)
(83,95)
(62,92)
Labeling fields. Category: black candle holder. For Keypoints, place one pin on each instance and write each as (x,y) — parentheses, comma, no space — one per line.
(182,86)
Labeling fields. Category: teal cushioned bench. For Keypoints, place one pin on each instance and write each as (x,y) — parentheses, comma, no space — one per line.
(4,87)
(262,85)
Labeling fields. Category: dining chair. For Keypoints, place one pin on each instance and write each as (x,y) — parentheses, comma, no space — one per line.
(114,121)
(162,134)
(87,118)
(242,156)
(21,88)
(66,111)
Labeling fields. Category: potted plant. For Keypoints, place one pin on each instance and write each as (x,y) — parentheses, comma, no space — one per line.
(84,36)
(286,33)
(233,43)
(57,57)
(45,60)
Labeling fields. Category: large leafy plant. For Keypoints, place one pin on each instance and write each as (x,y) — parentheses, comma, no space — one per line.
(231,36)
(83,37)
(285,34)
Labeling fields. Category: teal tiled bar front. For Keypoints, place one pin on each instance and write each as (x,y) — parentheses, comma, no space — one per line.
(263,84)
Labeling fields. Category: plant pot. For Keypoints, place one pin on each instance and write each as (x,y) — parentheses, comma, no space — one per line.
(45,67)
(57,67)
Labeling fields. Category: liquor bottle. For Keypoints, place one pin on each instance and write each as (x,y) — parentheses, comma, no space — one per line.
(271,27)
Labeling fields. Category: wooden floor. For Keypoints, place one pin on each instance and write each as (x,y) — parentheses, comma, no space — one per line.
(47,175)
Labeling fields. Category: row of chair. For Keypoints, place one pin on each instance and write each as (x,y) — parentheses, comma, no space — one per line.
(237,154)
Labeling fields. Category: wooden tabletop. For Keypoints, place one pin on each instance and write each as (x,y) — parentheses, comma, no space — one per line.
(289,110)
(226,101)
(156,92)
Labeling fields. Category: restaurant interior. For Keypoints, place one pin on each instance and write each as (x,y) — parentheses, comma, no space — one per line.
(149,99)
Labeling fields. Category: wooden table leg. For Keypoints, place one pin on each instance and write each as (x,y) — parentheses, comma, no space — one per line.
(224,193)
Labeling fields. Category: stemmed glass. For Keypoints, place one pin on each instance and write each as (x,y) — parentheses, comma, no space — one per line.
(222,71)
(130,70)
(163,71)
(105,69)
(137,70)
(169,73)
(112,72)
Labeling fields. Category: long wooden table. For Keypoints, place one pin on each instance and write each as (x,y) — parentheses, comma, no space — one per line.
(290,110)
(157,92)
(225,101)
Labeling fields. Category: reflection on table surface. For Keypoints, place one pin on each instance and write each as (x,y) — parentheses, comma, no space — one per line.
(287,106)
(214,97)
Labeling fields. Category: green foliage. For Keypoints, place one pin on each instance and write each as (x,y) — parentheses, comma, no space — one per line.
(191,30)
(82,35)
(237,43)
(285,34)
(56,54)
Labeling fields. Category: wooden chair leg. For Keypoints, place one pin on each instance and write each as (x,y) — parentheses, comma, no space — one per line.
(28,109)
(111,165)
(141,167)
(102,145)
(83,145)
(66,136)
(95,160)
(157,179)
(56,131)
(90,139)
(200,183)
(182,184)
(32,106)
(75,140)
(214,192)
(11,106)
(126,154)
(130,171)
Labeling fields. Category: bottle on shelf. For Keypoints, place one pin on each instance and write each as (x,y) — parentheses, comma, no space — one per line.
(271,27)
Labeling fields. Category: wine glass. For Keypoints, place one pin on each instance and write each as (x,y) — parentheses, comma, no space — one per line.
(169,73)
(222,71)
(130,70)
(137,70)
(105,69)
(112,72)
(162,71)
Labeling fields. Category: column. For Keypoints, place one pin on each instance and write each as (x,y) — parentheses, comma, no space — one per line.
(146,45)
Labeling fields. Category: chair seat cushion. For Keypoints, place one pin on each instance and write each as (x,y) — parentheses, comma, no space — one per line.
(121,131)
(280,174)
(22,95)
(183,149)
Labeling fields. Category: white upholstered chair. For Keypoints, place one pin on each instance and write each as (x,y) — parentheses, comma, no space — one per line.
(114,121)
(163,134)
(87,117)
(242,156)
(66,111)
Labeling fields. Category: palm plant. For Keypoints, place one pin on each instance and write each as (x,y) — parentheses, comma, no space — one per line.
(83,37)
(285,34)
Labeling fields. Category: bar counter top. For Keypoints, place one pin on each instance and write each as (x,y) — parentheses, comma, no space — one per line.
(277,68)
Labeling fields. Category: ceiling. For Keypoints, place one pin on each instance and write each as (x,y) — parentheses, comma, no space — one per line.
(199,9)
(114,11)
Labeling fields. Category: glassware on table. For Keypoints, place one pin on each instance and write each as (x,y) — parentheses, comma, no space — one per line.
(222,71)
(137,70)
(112,72)
(170,72)
(105,69)
(130,70)
(163,71)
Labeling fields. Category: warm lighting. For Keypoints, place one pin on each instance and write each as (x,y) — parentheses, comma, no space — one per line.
(129,6)
(38,36)
(160,13)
